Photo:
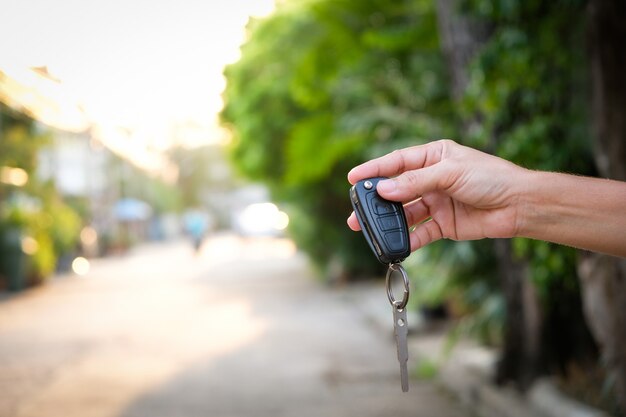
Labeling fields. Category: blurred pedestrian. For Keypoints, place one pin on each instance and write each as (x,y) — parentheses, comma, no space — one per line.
(196,224)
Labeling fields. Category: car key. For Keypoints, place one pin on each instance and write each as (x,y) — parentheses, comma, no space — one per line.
(401,331)
(384,226)
(383,222)
(400,324)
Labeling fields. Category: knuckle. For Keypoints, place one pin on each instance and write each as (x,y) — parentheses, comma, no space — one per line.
(447,144)
(398,156)
(448,173)
(448,148)
(411,179)
(408,184)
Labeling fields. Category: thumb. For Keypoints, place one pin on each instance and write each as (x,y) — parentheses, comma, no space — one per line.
(411,185)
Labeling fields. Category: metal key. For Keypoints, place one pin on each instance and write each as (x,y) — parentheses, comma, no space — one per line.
(400,330)
(400,324)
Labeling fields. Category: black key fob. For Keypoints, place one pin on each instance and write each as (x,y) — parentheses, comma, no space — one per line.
(383,222)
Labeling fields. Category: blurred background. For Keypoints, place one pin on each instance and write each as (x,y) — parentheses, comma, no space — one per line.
(173,199)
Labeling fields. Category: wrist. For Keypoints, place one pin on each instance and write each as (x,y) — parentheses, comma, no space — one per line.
(537,206)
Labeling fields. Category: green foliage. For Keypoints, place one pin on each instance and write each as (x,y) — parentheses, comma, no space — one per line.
(45,230)
(464,277)
(527,88)
(322,86)
(527,84)
(42,263)
(32,213)
(62,224)
(19,141)
(426,370)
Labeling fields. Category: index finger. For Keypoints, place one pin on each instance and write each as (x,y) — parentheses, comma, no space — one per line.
(399,161)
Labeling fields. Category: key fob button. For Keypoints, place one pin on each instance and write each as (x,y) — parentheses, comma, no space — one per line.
(395,241)
(389,223)
(379,206)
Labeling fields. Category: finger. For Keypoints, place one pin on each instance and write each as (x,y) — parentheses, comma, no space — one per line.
(424,234)
(353,223)
(416,212)
(399,161)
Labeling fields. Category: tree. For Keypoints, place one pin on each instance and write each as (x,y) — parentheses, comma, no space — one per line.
(324,85)
(604,277)
(27,228)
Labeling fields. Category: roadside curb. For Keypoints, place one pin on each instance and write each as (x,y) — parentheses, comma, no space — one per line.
(466,370)
(467,373)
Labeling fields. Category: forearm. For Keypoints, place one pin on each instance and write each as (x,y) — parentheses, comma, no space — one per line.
(587,213)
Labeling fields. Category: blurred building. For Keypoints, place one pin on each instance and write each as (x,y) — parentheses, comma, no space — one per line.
(76,163)
(37,93)
(75,160)
(80,167)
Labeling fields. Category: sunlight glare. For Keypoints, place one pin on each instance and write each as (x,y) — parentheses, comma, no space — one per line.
(145,67)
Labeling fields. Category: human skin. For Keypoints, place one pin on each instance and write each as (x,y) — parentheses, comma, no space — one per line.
(455,192)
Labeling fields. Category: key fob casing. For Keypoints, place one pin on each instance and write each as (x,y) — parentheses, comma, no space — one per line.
(383,222)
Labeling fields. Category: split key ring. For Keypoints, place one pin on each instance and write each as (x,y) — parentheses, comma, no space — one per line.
(398,304)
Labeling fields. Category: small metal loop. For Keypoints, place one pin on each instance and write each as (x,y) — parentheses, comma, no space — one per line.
(405,278)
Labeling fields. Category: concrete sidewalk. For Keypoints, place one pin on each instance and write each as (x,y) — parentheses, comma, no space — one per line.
(242,329)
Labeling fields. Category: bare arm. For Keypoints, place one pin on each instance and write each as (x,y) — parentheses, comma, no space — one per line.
(587,213)
(455,192)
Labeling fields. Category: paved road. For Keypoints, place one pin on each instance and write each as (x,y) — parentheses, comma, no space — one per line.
(240,330)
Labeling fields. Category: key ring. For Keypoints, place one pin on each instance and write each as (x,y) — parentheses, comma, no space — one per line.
(405,279)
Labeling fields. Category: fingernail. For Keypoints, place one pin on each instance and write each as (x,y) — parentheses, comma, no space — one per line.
(386,186)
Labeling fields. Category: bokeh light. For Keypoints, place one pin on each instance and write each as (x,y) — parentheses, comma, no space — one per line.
(81,266)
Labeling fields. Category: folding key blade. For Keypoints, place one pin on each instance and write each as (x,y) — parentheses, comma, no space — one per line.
(401,330)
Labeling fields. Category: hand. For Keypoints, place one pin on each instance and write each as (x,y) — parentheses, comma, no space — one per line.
(449,191)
